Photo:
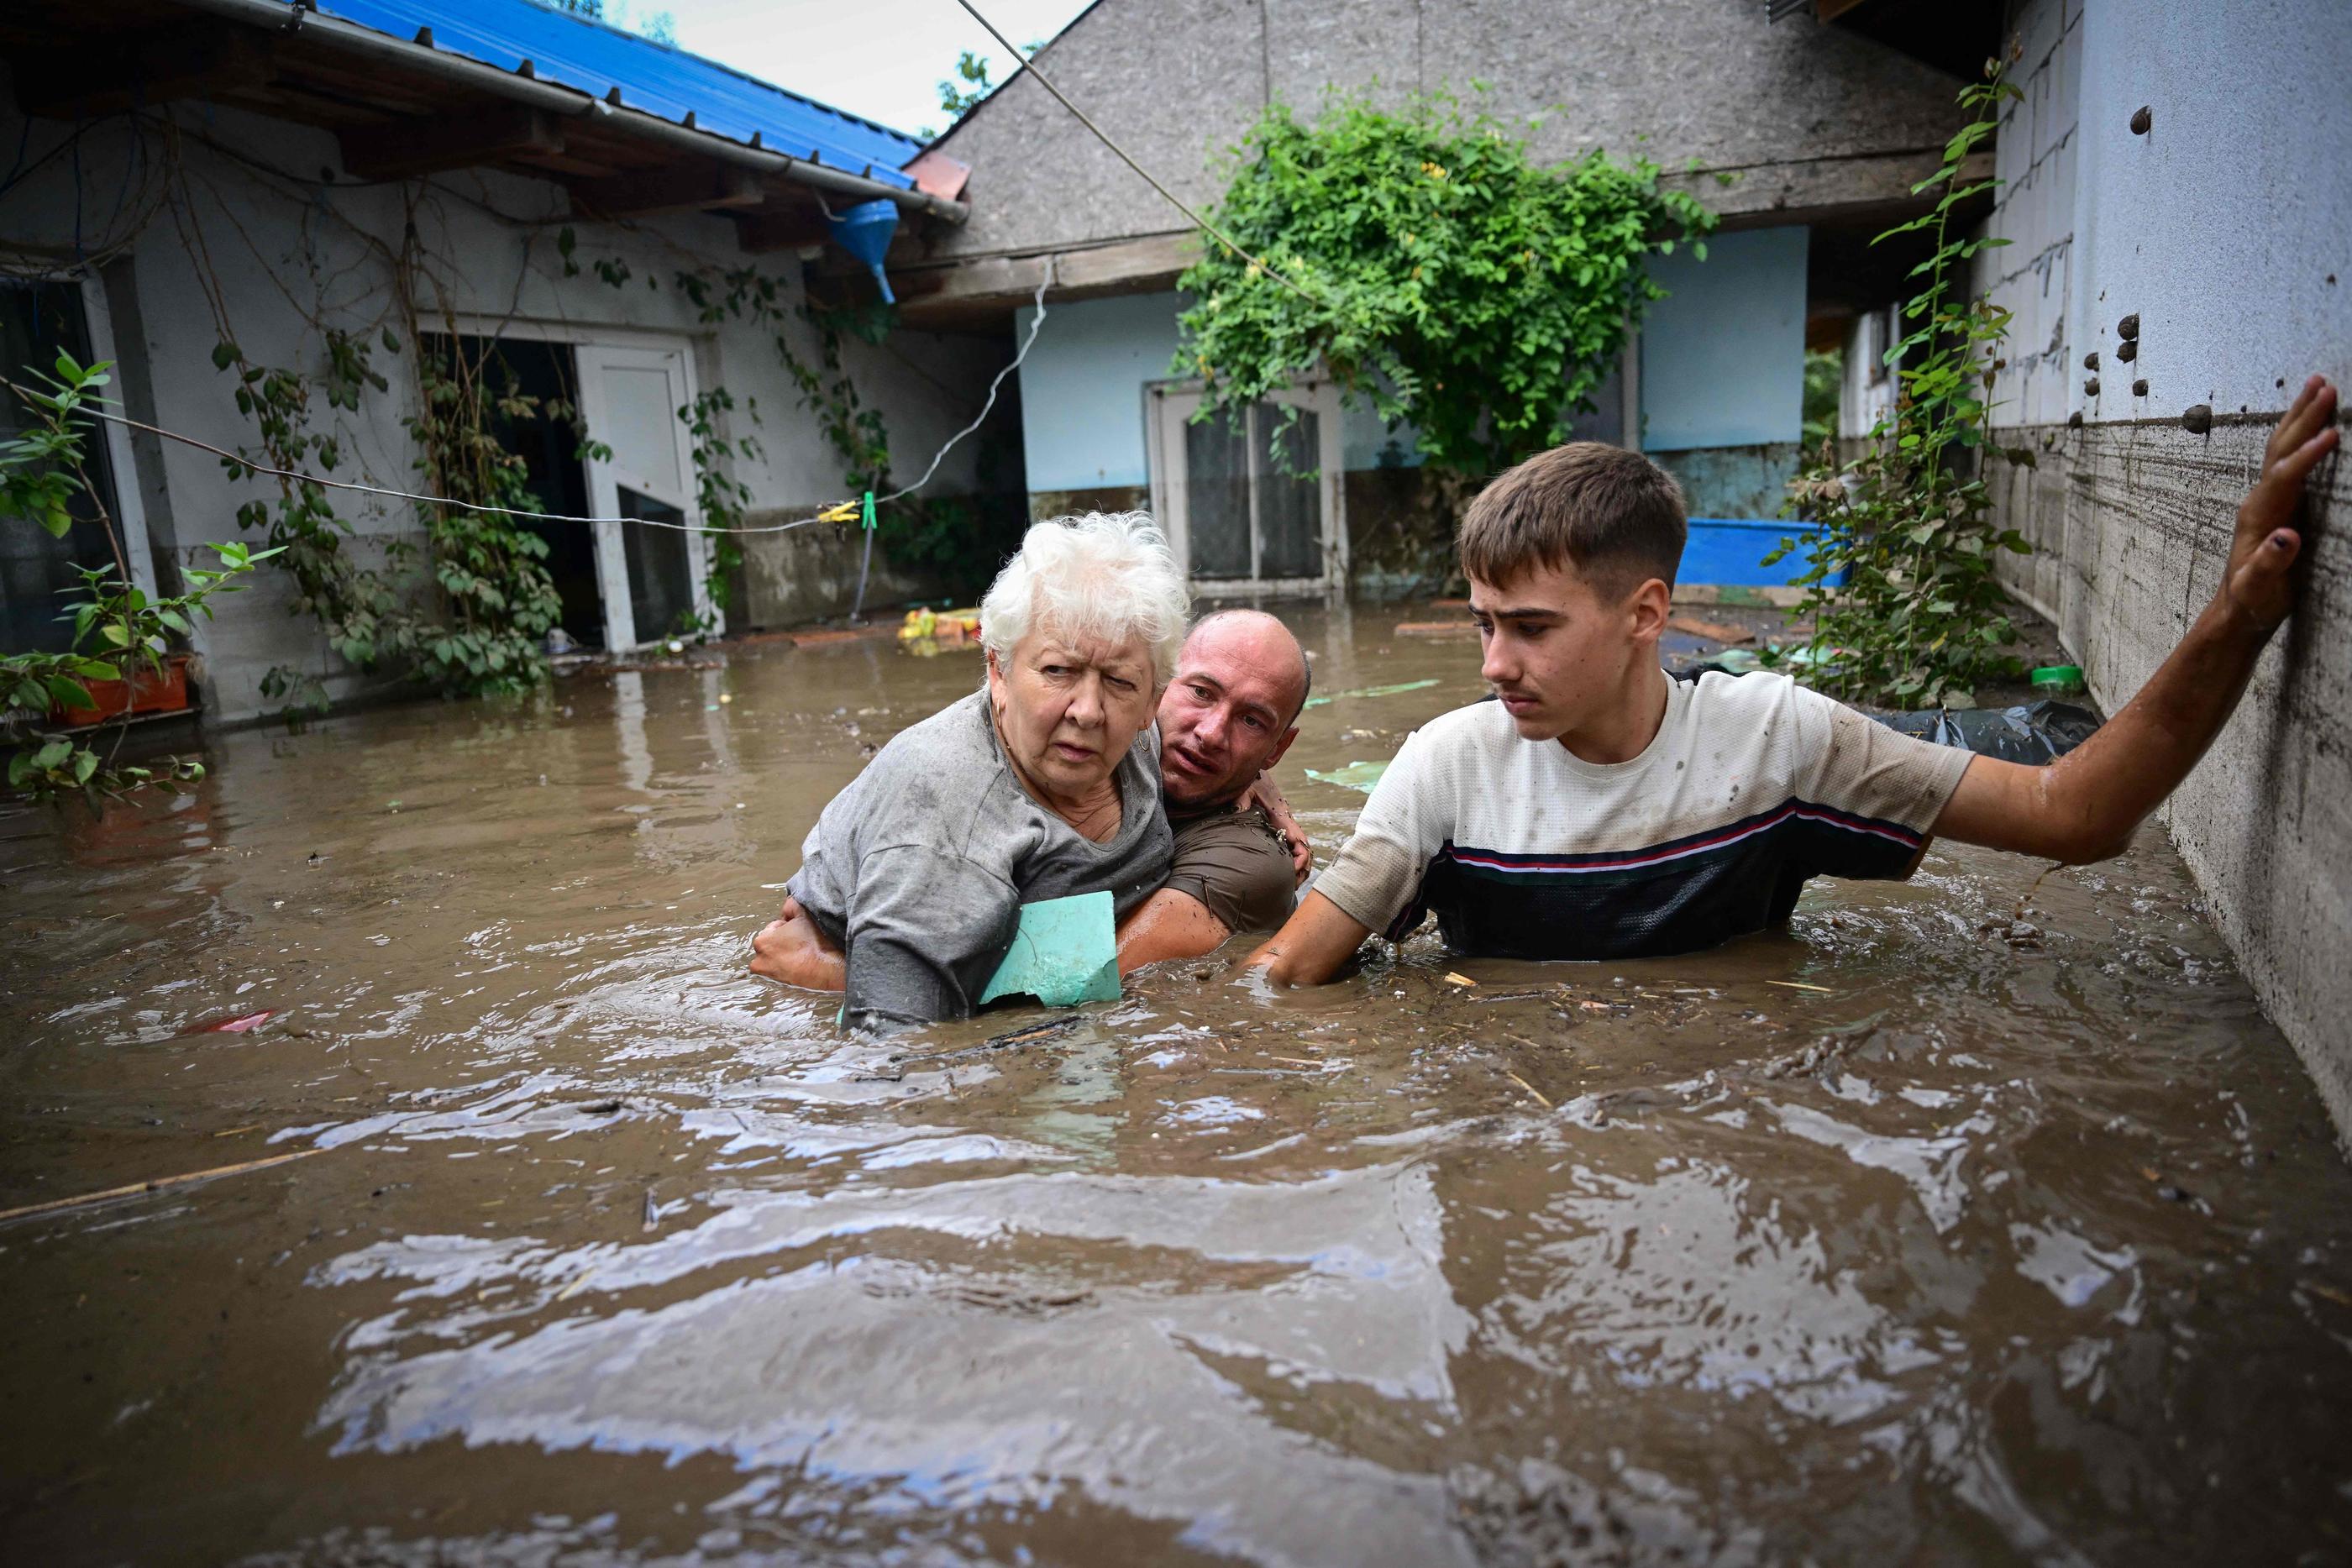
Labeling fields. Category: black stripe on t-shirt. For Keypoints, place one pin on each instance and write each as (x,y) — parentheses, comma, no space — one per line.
(1675,896)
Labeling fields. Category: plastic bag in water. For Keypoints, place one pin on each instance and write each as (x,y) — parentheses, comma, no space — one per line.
(2032,733)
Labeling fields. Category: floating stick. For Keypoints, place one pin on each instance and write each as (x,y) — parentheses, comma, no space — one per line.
(160,1184)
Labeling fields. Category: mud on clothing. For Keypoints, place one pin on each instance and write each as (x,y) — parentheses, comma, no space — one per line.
(919,869)
(1235,864)
(1526,851)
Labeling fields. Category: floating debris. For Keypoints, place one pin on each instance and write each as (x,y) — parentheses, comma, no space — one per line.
(59,1204)
(1374,691)
(1358,776)
(236,1023)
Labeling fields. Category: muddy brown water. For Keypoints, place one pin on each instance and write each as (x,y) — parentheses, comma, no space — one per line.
(1906,1235)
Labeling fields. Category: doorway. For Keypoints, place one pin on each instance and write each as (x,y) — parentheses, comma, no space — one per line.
(641,574)
(1251,498)
(654,571)
(544,378)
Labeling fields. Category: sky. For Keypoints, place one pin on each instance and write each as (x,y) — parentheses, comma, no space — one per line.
(880,58)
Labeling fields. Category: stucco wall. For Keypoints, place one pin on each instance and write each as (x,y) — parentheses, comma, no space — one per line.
(1723,370)
(1177,81)
(2227,229)
(1082,388)
(1723,355)
(1082,398)
(276,248)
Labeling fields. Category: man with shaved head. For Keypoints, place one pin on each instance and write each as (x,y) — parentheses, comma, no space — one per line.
(1230,711)
(1227,715)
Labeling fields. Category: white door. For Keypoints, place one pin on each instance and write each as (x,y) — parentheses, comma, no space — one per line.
(1252,500)
(654,573)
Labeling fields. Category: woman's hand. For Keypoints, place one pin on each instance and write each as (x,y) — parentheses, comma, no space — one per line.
(1266,796)
(791,948)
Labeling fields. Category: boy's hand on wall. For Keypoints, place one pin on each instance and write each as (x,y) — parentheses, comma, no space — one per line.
(2260,582)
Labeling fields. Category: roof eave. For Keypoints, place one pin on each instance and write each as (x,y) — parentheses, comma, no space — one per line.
(292,20)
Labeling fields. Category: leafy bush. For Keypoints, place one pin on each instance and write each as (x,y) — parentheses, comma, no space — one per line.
(1439,273)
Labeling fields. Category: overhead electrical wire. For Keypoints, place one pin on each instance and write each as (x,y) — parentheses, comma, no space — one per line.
(1149,178)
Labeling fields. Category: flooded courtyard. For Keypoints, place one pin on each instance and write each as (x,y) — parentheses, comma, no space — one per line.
(1979,1218)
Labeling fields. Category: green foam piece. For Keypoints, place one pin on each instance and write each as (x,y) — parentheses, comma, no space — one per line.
(1064,952)
(1357,776)
(1374,691)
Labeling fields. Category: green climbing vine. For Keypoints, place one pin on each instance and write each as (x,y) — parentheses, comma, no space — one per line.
(491,567)
(486,632)
(1900,584)
(1441,274)
(723,497)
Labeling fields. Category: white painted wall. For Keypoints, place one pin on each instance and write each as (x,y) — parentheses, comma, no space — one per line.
(2035,158)
(281,248)
(1082,388)
(2227,229)
(1723,355)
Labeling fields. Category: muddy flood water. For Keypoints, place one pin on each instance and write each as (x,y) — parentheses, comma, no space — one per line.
(1925,1230)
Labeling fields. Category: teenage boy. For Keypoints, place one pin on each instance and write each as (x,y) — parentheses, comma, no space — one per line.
(1603,809)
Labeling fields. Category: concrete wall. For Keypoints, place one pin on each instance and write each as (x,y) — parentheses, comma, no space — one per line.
(1082,397)
(1177,81)
(1082,389)
(1723,370)
(268,256)
(2228,230)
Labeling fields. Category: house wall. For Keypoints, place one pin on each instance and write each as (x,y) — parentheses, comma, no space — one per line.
(1177,82)
(1721,387)
(1723,370)
(273,256)
(1083,401)
(2224,229)
(1082,391)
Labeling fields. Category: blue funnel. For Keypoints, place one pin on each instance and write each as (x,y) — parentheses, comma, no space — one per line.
(865,231)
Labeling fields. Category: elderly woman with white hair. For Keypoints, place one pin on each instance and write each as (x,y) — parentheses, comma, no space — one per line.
(1043,784)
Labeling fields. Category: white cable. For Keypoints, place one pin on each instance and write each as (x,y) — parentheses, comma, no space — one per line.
(252,467)
(301,478)
(1036,321)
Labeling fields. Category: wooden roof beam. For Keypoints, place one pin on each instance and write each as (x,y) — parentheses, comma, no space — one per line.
(696,186)
(200,59)
(431,143)
(786,228)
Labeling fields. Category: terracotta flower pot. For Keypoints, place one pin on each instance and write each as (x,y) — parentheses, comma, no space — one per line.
(148,691)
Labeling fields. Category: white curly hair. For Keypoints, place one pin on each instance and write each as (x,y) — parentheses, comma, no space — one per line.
(1106,574)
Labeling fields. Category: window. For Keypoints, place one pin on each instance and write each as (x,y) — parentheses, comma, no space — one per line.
(1252,500)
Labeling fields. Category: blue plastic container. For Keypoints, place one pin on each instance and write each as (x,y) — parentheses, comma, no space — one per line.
(1729,552)
(865,231)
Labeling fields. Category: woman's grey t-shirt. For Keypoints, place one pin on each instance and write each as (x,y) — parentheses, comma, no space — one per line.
(919,869)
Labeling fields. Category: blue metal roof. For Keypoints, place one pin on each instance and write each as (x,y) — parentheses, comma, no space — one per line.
(572,51)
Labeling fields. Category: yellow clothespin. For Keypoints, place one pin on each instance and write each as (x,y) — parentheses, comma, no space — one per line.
(840,512)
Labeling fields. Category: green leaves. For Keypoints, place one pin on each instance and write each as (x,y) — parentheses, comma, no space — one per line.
(1901,589)
(1443,278)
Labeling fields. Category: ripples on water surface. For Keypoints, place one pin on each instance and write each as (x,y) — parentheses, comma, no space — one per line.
(1906,1235)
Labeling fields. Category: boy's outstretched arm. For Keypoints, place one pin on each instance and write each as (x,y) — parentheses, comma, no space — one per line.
(1312,944)
(2084,805)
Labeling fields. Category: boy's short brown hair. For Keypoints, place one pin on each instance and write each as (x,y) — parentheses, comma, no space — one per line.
(1613,513)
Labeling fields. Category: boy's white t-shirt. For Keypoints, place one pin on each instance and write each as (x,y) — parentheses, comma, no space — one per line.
(1523,850)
